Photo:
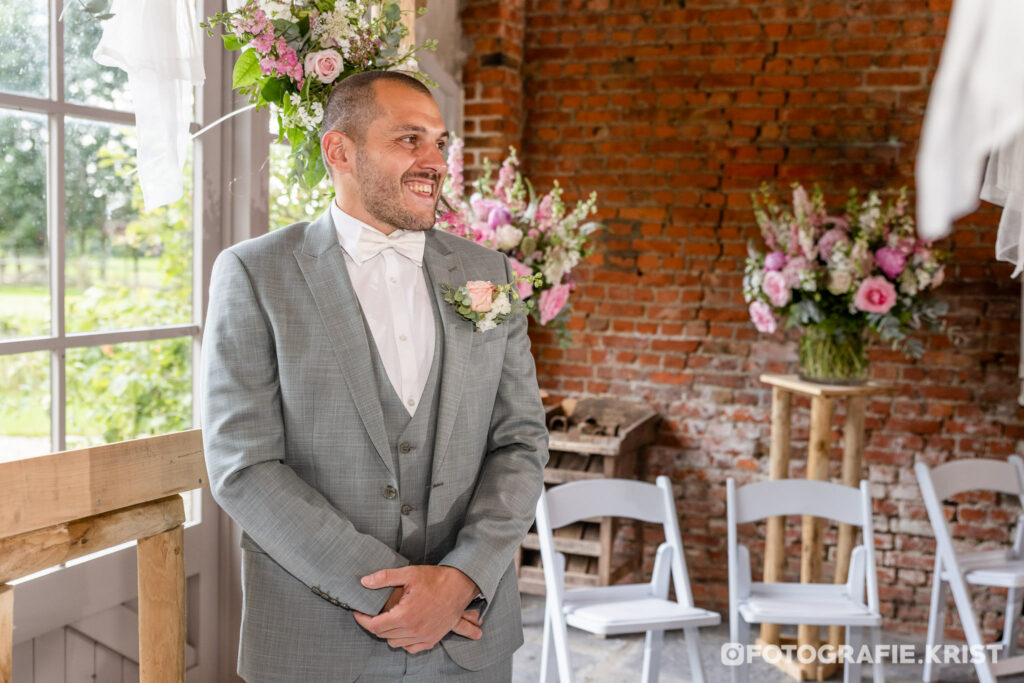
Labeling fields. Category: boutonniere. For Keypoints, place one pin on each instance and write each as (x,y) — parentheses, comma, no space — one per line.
(486,304)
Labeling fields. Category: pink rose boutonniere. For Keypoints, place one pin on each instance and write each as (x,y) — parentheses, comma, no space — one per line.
(486,304)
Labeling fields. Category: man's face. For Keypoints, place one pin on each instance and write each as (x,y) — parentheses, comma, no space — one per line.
(399,166)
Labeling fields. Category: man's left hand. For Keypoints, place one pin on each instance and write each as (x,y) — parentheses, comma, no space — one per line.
(433,603)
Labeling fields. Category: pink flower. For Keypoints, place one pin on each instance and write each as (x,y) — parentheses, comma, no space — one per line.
(829,240)
(499,216)
(891,261)
(552,301)
(482,294)
(764,319)
(795,267)
(324,64)
(525,287)
(775,260)
(776,287)
(875,295)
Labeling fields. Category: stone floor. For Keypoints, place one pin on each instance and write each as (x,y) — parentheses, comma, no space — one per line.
(618,658)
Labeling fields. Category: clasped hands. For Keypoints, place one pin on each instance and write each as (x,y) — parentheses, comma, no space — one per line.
(426,604)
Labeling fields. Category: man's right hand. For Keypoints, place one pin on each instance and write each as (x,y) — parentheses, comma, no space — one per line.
(468,626)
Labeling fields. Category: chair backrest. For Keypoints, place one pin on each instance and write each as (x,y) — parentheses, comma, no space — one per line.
(780,497)
(755,502)
(971,474)
(975,474)
(578,500)
(565,504)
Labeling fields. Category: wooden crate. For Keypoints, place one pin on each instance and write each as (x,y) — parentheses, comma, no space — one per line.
(602,439)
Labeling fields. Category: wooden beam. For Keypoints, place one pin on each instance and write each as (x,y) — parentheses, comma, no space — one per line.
(34,551)
(778,468)
(6,632)
(162,607)
(62,487)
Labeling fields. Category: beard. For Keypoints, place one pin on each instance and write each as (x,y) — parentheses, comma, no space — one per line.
(381,196)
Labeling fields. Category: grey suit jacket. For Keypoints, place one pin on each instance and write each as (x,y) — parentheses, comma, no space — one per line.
(298,455)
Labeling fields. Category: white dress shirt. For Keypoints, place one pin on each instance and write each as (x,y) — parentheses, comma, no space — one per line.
(392,291)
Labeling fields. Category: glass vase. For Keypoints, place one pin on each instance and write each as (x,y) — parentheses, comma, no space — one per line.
(833,356)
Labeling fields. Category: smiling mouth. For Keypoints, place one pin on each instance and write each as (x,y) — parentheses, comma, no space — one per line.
(422,189)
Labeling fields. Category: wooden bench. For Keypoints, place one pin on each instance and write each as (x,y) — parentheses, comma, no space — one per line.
(55,508)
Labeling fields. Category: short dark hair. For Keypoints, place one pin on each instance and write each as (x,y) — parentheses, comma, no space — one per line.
(352,104)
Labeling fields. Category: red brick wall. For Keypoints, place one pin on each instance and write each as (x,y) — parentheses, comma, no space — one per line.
(674,111)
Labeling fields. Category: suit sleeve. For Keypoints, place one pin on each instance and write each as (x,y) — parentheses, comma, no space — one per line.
(512,475)
(243,437)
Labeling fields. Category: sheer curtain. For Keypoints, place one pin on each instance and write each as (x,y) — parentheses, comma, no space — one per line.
(157,43)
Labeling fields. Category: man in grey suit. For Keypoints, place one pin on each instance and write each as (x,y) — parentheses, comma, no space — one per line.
(382,458)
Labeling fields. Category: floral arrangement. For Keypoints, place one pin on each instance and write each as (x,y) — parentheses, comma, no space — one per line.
(542,237)
(836,276)
(294,51)
(485,304)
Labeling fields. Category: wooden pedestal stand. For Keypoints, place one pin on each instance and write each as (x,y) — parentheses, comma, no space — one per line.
(823,397)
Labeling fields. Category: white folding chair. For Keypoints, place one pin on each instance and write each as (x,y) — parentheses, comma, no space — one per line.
(1003,568)
(612,610)
(813,604)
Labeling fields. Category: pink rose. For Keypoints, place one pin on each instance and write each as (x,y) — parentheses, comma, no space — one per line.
(525,287)
(324,64)
(829,240)
(891,261)
(552,301)
(764,319)
(875,295)
(775,260)
(482,293)
(776,287)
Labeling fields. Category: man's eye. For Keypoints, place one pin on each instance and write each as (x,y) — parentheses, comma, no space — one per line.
(410,139)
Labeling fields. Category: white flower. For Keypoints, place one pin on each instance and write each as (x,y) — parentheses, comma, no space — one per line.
(508,236)
(486,324)
(275,9)
(335,29)
(501,305)
(908,282)
(557,262)
(839,281)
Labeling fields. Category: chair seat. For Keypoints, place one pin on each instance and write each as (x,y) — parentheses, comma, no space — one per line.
(991,568)
(804,604)
(633,616)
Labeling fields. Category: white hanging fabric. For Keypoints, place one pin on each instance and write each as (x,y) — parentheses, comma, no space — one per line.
(976,105)
(1004,185)
(157,43)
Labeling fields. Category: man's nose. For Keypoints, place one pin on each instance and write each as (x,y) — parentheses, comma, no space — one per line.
(433,159)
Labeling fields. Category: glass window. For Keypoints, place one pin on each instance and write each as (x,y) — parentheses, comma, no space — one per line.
(290,202)
(85,81)
(25,408)
(24,255)
(126,391)
(24,70)
(124,268)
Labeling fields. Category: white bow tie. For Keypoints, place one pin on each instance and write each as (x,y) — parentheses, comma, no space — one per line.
(408,243)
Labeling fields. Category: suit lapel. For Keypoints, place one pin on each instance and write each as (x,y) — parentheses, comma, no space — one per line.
(444,267)
(322,262)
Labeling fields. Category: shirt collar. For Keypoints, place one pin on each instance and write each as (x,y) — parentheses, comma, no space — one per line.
(348,228)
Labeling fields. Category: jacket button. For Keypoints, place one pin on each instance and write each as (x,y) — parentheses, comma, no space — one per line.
(390,492)
(404,447)
(406,509)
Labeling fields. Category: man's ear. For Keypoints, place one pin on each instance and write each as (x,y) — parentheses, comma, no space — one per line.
(338,150)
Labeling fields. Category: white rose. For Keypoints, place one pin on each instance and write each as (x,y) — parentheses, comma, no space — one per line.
(485,324)
(324,64)
(509,237)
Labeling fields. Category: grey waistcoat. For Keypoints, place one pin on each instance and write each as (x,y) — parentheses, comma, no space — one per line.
(411,440)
